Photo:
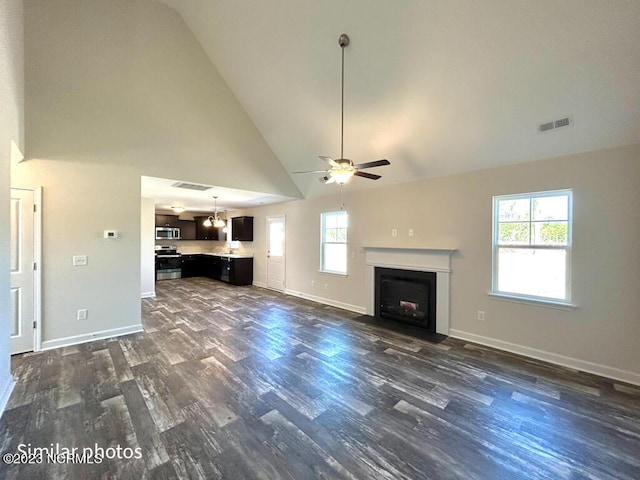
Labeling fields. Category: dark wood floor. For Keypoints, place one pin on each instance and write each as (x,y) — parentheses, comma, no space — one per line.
(240,382)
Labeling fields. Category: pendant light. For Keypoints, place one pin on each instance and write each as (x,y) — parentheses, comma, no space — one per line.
(214,220)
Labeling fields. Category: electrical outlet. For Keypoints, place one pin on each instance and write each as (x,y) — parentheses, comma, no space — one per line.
(326,286)
(394,232)
(82,314)
(411,232)
(481,315)
(313,283)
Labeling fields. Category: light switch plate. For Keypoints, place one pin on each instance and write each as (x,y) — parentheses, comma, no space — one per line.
(80,260)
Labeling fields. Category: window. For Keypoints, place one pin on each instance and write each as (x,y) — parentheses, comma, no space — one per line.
(532,245)
(333,252)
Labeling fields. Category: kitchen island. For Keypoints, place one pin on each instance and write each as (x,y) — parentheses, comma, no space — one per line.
(233,268)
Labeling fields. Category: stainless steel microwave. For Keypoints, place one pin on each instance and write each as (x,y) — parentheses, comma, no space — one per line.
(167,233)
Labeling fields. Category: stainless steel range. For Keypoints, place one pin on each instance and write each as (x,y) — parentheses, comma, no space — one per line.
(168,262)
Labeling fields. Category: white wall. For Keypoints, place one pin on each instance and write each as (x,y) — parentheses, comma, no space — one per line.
(11,128)
(115,90)
(147,242)
(455,212)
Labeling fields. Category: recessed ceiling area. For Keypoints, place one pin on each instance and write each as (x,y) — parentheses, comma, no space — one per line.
(166,195)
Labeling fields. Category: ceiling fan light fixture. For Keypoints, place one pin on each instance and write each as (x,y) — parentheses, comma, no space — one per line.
(178,209)
(342,175)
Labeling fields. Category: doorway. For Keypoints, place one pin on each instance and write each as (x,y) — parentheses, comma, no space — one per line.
(25,264)
(276,246)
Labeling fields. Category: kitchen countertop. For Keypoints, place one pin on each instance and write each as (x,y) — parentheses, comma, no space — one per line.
(222,254)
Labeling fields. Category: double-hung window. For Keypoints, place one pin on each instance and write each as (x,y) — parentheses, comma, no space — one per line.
(532,245)
(333,241)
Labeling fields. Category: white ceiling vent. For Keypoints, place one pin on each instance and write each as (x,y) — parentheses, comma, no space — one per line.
(191,186)
(555,124)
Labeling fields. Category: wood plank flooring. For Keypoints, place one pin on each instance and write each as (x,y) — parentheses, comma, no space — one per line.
(244,383)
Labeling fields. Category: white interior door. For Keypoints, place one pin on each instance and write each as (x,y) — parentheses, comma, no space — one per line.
(22,271)
(276,252)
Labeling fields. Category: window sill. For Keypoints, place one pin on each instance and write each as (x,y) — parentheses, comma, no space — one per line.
(340,274)
(536,302)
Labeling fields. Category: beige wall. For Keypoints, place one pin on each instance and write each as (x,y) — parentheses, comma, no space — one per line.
(11,128)
(455,212)
(115,90)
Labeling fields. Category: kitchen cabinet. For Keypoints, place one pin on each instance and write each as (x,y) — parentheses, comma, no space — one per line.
(242,229)
(237,271)
(167,221)
(187,229)
(208,233)
(210,267)
(192,265)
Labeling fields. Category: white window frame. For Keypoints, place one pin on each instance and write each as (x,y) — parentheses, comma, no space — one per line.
(565,302)
(323,217)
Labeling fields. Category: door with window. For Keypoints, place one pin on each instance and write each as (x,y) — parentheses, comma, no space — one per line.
(22,271)
(276,252)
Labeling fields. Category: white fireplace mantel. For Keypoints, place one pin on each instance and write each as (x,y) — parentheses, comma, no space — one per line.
(436,260)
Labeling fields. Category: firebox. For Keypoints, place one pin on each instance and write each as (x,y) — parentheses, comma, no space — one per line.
(406,296)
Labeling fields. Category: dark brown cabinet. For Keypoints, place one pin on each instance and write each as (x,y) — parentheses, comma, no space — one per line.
(191,265)
(237,271)
(167,221)
(187,229)
(208,233)
(242,229)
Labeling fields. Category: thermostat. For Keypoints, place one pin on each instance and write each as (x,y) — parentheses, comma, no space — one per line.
(110,234)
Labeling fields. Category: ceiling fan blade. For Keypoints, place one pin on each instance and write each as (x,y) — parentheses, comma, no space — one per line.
(313,171)
(330,160)
(367,175)
(376,163)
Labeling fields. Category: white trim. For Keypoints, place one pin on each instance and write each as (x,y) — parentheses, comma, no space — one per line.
(534,302)
(327,301)
(284,248)
(90,337)
(6,393)
(496,246)
(37,259)
(570,362)
(37,275)
(330,272)
(314,298)
(148,295)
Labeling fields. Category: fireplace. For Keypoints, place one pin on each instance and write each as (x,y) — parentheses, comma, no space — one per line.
(415,259)
(406,296)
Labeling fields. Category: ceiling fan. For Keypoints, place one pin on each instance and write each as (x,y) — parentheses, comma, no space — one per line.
(342,169)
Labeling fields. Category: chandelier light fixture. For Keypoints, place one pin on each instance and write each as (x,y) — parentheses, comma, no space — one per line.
(214,220)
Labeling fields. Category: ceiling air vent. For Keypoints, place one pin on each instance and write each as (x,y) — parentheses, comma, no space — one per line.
(191,186)
(548,126)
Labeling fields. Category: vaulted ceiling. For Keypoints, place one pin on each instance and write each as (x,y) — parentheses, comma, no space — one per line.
(437,87)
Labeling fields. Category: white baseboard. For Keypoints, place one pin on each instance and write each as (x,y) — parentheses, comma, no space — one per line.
(6,393)
(327,301)
(575,363)
(148,295)
(313,298)
(89,337)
